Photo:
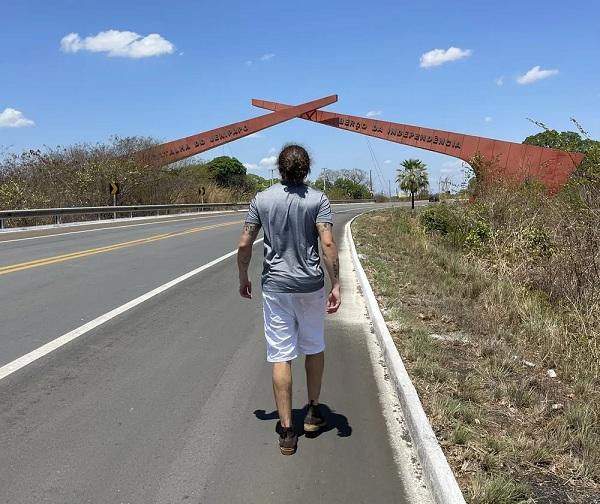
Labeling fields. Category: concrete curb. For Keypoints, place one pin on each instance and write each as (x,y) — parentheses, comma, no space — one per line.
(438,475)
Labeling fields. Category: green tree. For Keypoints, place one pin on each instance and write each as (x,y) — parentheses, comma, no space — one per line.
(322,183)
(412,177)
(344,184)
(255,183)
(571,141)
(352,189)
(227,171)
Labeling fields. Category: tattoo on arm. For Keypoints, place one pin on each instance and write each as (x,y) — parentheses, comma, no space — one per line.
(329,251)
(245,253)
(323,226)
(251,230)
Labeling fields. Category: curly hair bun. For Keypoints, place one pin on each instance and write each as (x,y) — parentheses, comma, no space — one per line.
(294,163)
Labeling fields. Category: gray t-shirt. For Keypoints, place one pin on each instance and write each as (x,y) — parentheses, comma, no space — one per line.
(288,214)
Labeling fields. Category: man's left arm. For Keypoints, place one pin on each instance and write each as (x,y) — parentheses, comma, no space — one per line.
(249,233)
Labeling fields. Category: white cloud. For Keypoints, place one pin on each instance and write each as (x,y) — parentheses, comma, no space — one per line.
(123,44)
(437,57)
(487,119)
(499,81)
(264,57)
(535,74)
(373,113)
(11,118)
(268,162)
(387,161)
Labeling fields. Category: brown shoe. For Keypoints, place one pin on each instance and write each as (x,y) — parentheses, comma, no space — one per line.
(288,439)
(314,419)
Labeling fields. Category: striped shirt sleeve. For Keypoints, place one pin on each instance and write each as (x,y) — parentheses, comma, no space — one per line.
(324,214)
(253,217)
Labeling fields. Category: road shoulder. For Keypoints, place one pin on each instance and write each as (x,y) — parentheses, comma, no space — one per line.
(354,311)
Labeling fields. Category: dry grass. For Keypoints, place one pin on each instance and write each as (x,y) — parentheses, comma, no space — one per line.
(79,175)
(511,433)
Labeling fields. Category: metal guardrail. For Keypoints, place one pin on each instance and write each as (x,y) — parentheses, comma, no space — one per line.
(58,213)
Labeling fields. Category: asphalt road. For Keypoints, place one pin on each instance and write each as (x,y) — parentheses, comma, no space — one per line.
(170,401)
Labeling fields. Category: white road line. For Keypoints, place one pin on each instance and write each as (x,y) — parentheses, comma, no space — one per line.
(49,347)
(166,221)
(34,355)
(90,223)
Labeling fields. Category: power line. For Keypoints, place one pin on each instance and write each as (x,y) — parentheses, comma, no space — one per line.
(376,165)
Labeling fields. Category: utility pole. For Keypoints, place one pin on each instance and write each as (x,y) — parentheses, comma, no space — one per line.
(271,177)
(390,187)
(371,181)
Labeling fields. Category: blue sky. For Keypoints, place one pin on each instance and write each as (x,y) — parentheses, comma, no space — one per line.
(208,59)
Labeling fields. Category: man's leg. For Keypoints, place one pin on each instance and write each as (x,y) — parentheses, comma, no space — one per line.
(314,365)
(282,388)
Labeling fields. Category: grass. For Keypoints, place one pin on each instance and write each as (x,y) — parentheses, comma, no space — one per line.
(511,433)
(499,490)
(461,434)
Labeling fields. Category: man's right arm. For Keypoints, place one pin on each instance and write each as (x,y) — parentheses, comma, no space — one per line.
(332,263)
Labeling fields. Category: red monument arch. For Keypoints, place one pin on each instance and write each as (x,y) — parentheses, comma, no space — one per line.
(503,160)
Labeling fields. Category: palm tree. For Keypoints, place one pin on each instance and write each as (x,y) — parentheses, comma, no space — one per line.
(413,177)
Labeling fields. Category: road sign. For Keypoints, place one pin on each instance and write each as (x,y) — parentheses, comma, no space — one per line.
(114,188)
(202,191)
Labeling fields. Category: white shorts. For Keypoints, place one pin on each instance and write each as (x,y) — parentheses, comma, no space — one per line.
(294,322)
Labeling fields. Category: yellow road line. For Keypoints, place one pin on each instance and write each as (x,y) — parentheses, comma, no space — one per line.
(12,268)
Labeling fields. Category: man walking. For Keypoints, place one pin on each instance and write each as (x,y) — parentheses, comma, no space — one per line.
(294,217)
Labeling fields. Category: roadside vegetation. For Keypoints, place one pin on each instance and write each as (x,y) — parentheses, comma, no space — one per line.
(344,184)
(80,175)
(495,308)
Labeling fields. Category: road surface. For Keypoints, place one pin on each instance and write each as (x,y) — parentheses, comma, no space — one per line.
(170,401)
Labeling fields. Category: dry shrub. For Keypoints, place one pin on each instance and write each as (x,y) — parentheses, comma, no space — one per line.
(80,175)
(496,288)
(550,245)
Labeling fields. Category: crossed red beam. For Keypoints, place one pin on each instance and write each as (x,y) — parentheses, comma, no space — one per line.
(176,150)
(507,160)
